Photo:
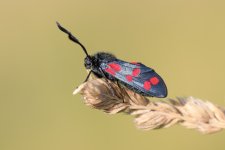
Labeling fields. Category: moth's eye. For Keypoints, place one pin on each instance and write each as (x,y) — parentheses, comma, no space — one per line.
(87,63)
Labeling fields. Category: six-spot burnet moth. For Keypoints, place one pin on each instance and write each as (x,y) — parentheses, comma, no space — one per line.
(134,75)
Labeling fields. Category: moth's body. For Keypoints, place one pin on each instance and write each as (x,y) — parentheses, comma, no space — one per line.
(132,75)
(135,76)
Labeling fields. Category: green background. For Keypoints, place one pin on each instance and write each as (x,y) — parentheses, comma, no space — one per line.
(183,40)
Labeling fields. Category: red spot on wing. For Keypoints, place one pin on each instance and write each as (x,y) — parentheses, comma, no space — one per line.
(136,72)
(129,78)
(154,80)
(135,63)
(147,85)
(110,71)
(115,66)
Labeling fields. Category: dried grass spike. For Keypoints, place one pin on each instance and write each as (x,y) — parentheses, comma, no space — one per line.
(189,112)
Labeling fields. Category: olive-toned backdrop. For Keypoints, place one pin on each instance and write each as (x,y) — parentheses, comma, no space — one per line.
(183,40)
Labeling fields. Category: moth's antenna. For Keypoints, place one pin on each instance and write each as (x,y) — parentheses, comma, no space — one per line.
(72,38)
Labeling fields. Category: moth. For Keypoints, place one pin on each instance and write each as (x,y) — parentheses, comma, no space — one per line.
(134,75)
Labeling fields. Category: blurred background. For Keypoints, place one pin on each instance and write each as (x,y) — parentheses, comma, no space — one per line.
(183,40)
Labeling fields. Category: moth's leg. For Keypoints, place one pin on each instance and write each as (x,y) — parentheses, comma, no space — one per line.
(103,74)
(118,84)
(87,76)
(107,81)
(123,90)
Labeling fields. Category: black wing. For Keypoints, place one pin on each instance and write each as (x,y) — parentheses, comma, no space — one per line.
(137,76)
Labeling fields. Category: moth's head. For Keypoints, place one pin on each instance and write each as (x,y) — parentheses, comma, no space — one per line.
(88,63)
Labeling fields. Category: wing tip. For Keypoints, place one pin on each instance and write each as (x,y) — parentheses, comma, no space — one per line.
(162,93)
